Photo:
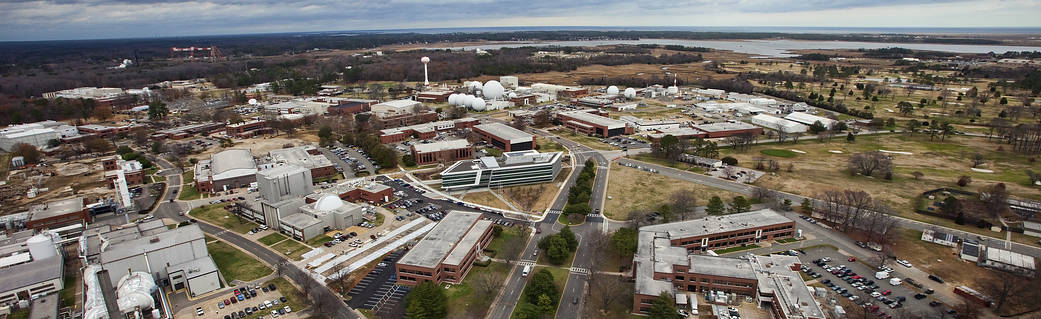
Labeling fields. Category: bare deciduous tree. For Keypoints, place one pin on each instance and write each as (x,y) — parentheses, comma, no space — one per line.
(869,163)
(683,204)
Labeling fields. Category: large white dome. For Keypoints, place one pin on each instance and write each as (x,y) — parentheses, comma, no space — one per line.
(477,104)
(328,203)
(453,99)
(612,90)
(629,93)
(493,90)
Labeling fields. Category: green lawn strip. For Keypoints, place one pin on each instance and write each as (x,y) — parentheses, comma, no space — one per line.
(379,220)
(778,153)
(271,239)
(19,314)
(292,249)
(68,293)
(507,235)
(188,177)
(736,249)
(217,215)
(461,297)
(317,241)
(564,220)
(663,162)
(235,264)
(189,192)
(788,240)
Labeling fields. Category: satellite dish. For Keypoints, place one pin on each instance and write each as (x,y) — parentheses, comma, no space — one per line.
(612,90)
(478,104)
(493,90)
(629,93)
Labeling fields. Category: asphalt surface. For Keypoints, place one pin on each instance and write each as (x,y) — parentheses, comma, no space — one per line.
(167,209)
(378,288)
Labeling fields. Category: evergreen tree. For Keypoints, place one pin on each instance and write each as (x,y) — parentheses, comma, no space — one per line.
(428,297)
(715,206)
(664,308)
(740,205)
(569,237)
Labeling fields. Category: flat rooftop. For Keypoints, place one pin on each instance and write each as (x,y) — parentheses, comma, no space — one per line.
(146,244)
(585,116)
(31,273)
(459,252)
(200,266)
(723,127)
(508,160)
(305,156)
(56,208)
(441,146)
(1010,258)
(719,224)
(505,132)
(439,242)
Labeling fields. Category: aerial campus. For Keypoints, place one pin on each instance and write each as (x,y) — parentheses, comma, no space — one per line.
(528,172)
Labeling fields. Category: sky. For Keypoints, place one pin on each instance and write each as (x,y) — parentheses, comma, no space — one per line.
(28,20)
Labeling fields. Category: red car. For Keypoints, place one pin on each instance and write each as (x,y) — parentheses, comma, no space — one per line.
(227,302)
(887,292)
(872,308)
(852,259)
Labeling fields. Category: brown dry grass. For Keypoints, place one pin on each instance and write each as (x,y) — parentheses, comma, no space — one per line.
(942,163)
(485,198)
(544,193)
(635,190)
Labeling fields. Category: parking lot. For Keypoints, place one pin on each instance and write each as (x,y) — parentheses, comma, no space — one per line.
(354,158)
(855,281)
(378,288)
(625,142)
(411,200)
(251,301)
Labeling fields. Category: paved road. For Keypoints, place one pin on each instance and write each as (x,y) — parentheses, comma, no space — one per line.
(901,221)
(167,209)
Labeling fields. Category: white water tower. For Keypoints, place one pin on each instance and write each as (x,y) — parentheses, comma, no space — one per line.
(426,77)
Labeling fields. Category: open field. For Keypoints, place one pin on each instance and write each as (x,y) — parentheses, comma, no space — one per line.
(292,249)
(941,163)
(589,141)
(464,302)
(663,162)
(544,145)
(537,197)
(217,215)
(508,235)
(317,241)
(271,239)
(654,190)
(485,198)
(235,264)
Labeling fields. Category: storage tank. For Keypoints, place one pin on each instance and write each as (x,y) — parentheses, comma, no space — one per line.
(41,247)
(134,292)
(94,303)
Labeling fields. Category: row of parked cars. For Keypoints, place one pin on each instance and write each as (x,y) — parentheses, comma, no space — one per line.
(642,168)
(355,163)
(244,293)
(858,282)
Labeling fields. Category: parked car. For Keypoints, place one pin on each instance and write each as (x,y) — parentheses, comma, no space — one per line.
(936,278)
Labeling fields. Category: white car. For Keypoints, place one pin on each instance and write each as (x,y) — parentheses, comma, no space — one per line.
(287,309)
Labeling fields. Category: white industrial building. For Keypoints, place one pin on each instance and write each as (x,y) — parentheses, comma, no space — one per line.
(156,250)
(32,266)
(37,134)
(282,190)
(396,107)
(809,119)
(713,93)
(509,81)
(650,125)
(778,124)
(328,213)
(1008,261)
(225,170)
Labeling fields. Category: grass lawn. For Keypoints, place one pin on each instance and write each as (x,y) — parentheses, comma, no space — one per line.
(653,190)
(463,302)
(590,141)
(379,219)
(777,153)
(565,220)
(820,170)
(68,294)
(235,264)
(537,197)
(158,178)
(217,215)
(295,300)
(318,241)
(660,161)
(188,177)
(509,235)
(485,198)
(19,314)
(788,240)
(546,145)
(292,249)
(271,239)
(736,249)
(560,276)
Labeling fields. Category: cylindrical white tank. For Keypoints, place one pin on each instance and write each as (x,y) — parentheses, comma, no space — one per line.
(41,247)
(612,90)
(94,305)
(134,292)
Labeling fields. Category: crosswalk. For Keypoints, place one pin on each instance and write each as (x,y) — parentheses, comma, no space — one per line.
(580,271)
(523,263)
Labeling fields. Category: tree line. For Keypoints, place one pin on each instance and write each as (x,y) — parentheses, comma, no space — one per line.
(578,195)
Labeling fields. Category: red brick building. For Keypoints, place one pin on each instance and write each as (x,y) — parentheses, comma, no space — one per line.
(249,129)
(58,213)
(594,122)
(505,137)
(399,120)
(447,252)
(354,191)
(425,130)
(434,96)
(351,106)
(442,152)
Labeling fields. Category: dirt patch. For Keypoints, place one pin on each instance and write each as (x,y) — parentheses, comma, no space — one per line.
(485,198)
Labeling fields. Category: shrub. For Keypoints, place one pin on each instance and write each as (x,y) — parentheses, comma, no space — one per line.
(729,161)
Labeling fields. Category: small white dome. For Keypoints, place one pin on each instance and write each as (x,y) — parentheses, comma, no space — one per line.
(629,93)
(328,203)
(612,90)
(424,60)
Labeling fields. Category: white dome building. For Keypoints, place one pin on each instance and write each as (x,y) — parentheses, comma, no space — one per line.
(478,104)
(328,212)
(493,90)
(629,93)
(612,90)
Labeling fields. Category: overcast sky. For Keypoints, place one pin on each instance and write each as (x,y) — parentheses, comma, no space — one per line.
(90,19)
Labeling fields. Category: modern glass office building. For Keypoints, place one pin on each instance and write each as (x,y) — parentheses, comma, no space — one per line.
(513,168)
